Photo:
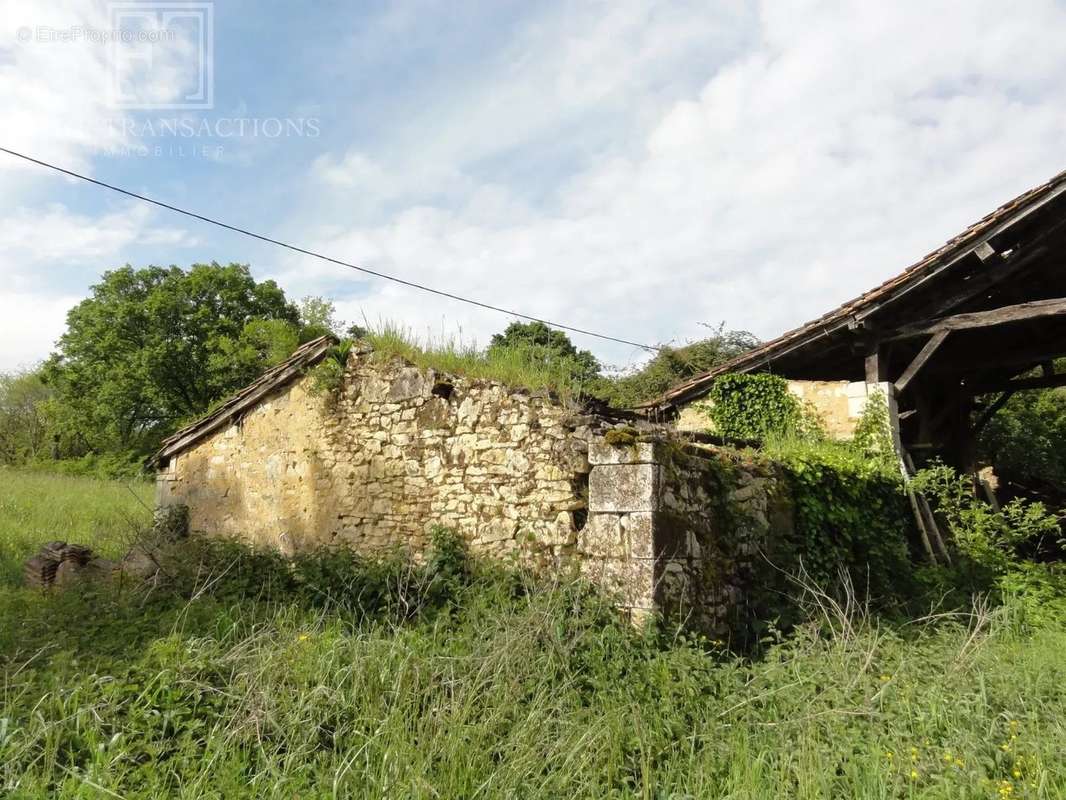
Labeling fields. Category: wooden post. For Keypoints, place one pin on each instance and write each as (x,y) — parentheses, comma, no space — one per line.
(876,364)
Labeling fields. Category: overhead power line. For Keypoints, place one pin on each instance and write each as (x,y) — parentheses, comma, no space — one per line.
(313,254)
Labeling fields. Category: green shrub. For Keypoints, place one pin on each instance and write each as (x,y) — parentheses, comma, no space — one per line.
(327,377)
(983,534)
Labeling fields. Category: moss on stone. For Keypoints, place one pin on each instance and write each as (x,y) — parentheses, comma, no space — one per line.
(622,437)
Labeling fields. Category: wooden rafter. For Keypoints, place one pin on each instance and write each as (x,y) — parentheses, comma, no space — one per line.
(990,275)
(1036,309)
(990,412)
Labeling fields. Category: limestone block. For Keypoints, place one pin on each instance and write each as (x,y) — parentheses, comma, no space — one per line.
(632,580)
(620,488)
(602,537)
(495,530)
(638,528)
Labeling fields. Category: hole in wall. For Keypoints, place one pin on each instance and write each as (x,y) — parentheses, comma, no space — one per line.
(580,485)
(579,518)
(443,389)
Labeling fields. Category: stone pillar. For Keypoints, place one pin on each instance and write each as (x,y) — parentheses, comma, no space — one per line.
(617,544)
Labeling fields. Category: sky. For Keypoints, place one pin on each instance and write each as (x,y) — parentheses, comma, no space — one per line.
(641,169)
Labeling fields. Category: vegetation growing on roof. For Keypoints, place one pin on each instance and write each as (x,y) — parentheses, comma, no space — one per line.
(327,376)
(670,366)
(517,366)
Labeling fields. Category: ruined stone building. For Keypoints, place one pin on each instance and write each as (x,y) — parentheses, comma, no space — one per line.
(523,475)
(660,520)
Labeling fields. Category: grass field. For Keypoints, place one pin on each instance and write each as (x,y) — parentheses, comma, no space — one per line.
(333,678)
(37,507)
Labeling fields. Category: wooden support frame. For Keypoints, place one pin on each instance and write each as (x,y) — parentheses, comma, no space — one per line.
(990,412)
(921,359)
(1019,384)
(985,319)
(876,364)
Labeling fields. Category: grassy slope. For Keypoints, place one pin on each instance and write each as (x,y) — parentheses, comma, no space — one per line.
(506,694)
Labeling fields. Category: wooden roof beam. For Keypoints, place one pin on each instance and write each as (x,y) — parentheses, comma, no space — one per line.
(1036,309)
(920,360)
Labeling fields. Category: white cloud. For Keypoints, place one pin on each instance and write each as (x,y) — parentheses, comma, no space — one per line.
(57,80)
(36,243)
(57,108)
(844,146)
(48,258)
(29,324)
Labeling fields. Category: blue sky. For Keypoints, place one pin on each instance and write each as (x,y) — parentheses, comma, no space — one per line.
(639,168)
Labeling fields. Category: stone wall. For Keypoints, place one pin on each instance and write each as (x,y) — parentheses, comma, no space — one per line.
(395,452)
(680,528)
(839,404)
(660,522)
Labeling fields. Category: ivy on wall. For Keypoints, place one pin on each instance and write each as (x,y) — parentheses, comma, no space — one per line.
(850,510)
(753,407)
(850,513)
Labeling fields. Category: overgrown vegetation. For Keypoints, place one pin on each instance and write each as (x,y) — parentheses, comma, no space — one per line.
(995,545)
(518,366)
(327,376)
(248,676)
(1026,440)
(670,366)
(851,511)
(755,407)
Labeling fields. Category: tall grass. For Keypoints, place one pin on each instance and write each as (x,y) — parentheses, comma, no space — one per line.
(333,677)
(37,507)
(510,366)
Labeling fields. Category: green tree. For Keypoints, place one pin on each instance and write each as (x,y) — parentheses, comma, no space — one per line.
(23,426)
(671,365)
(1026,440)
(318,317)
(153,347)
(542,344)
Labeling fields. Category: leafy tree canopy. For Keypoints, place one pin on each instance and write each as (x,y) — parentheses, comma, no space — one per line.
(153,347)
(318,317)
(544,345)
(1026,440)
(23,430)
(671,365)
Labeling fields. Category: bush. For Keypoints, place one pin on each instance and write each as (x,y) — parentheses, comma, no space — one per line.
(104,466)
(983,534)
